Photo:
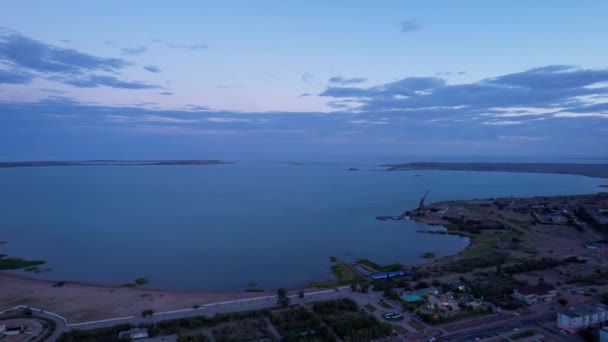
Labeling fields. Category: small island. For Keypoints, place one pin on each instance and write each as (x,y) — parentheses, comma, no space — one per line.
(111,163)
(591,170)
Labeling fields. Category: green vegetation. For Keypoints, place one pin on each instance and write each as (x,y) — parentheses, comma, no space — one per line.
(282,299)
(350,324)
(193,338)
(344,274)
(129,285)
(376,267)
(529,265)
(226,324)
(300,325)
(322,284)
(416,325)
(428,255)
(481,244)
(109,334)
(31,269)
(248,329)
(18,263)
(488,259)
(465,312)
(141,281)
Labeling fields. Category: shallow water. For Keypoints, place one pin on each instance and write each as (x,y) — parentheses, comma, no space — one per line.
(222,227)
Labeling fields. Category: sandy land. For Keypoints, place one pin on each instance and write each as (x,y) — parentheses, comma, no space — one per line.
(82,302)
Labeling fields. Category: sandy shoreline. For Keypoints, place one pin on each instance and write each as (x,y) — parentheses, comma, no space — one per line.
(83,302)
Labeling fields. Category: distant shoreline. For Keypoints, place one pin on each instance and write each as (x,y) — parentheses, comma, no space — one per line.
(111,163)
(590,170)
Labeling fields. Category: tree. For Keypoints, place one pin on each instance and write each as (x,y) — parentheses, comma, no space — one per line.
(282,300)
(301,293)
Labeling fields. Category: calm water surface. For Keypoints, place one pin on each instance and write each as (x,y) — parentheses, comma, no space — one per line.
(222,227)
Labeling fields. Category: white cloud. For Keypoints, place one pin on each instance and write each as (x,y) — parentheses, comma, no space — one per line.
(226,120)
(580,115)
(503,123)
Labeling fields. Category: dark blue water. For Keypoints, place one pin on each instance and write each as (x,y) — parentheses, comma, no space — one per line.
(222,227)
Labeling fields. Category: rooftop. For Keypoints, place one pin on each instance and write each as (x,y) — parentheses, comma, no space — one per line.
(584,311)
(539,289)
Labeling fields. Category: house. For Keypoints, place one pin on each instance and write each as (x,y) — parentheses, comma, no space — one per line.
(541,293)
(574,320)
(133,334)
(458,286)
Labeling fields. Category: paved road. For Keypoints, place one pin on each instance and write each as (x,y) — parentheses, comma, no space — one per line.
(209,310)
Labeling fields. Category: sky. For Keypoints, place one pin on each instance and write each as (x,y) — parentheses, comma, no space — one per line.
(241,79)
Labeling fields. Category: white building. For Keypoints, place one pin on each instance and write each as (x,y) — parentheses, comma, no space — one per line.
(541,293)
(575,319)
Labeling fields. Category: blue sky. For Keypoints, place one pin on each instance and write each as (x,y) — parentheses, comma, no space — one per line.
(143,79)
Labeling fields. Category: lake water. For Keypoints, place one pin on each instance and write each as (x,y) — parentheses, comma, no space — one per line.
(222,227)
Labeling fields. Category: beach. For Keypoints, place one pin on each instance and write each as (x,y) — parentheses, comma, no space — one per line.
(79,302)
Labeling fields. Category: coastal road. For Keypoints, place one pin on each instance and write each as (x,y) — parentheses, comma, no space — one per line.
(212,309)
(508,328)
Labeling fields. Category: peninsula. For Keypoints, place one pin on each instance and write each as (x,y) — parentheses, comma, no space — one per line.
(590,170)
(110,163)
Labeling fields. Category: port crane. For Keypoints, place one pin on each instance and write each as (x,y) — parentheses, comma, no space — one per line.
(421,204)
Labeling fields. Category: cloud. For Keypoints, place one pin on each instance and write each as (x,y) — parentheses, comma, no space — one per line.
(503,122)
(21,51)
(32,59)
(189,46)
(410,25)
(226,120)
(306,77)
(152,68)
(345,81)
(555,87)
(305,95)
(133,51)
(165,93)
(147,118)
(15,77)
(93,81)
(363,121)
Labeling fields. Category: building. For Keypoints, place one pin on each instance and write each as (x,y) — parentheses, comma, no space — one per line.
(426,291)
(603,334)
(541,293)
(386,275)
(133,334)
(575,319)
(458,286)
(557,218)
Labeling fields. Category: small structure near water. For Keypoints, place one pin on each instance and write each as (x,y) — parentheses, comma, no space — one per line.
(386,275)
